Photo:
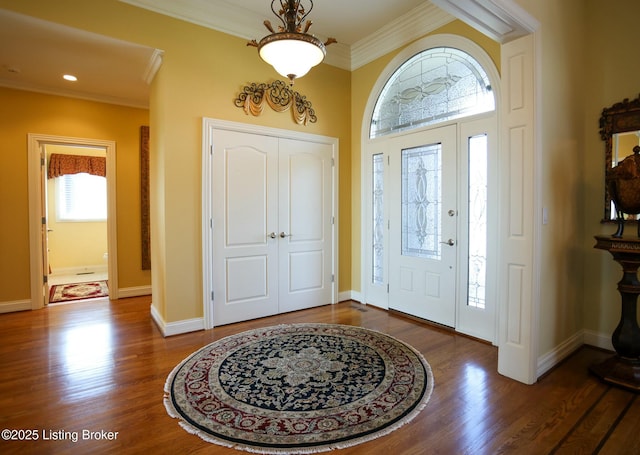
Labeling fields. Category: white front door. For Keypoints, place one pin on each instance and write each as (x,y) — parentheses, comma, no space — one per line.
(272,225)
(422,224)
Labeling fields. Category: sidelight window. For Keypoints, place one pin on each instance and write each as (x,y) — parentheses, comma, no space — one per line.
(477,278)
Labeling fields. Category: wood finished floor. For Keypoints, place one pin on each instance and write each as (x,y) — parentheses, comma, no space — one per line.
(102,365)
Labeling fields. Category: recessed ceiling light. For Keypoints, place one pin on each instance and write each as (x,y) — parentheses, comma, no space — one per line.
(69,77)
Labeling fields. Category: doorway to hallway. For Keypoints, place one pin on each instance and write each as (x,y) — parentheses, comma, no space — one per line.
(38,211)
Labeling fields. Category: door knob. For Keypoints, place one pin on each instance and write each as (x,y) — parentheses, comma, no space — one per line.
(273,235)
(449,242)
(284,234)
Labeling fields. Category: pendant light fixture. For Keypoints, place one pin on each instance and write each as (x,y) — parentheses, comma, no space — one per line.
(291,50)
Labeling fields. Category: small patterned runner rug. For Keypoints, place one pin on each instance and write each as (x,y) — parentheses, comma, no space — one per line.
(299,388)
(78,291)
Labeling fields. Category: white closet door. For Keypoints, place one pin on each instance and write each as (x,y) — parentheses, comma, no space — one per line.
(272,206)
(305,224)
(245,224)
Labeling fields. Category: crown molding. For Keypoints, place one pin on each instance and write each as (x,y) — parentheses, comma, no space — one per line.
(140,100)
(413,25)
(235,21)
(231,20)
(226,18)
(141,103)
(155,62)
(501,20)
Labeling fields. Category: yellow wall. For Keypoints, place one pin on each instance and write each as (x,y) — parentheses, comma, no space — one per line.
(208,69)
(73,245)
(23,112)
(202,73)
(611,75)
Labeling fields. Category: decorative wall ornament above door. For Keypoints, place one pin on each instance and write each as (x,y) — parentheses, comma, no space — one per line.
(279,97)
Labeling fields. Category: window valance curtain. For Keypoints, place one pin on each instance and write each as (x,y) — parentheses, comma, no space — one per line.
(60,164)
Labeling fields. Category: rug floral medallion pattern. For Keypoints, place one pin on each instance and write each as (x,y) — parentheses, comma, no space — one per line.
(78,291)
(299,388)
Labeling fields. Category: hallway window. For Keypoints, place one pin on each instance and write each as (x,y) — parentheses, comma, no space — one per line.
(81,197)
(433,86)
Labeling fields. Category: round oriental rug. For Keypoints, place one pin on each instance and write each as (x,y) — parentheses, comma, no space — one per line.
(299,388)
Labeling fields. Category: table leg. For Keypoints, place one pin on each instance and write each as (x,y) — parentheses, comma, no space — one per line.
(623,369)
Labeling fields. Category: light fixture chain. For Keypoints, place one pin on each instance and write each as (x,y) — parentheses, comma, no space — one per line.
(279,14)
(305,16)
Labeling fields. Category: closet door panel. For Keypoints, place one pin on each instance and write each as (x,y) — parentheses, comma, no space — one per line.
(245,214)
(305,215)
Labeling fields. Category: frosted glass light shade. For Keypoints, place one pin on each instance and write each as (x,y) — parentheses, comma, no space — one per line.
(292,54)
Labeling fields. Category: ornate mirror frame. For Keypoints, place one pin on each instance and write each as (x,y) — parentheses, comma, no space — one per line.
(622,117)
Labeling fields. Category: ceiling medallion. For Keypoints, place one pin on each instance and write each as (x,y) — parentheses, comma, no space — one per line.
(291,50)
(279,97)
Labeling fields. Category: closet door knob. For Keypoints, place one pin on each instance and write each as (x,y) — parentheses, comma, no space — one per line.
(284,234)
(273,235)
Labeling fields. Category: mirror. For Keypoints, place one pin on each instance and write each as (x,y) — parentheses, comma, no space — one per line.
(620,130)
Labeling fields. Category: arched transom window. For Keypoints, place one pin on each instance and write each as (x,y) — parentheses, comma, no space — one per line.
(436,85)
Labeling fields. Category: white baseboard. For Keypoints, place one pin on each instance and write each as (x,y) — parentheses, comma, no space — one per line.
(559,353)
(599,340)
(135,291)
(588,337)
(18,305)
(349,295)
(176,328)
(98,268)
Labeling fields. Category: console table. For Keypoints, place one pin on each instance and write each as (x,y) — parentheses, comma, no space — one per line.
(623,369)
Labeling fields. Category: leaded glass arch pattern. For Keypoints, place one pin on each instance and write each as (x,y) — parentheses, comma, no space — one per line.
(433,86)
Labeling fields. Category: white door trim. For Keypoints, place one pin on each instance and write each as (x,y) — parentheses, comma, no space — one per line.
(525,311)
(520,211)
(208,127)
(36,142)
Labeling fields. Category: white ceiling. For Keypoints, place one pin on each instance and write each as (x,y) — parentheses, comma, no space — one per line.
(34,54)
(347,21)
(365,29)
